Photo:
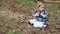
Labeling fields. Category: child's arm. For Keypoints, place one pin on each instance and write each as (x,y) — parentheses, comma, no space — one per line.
(44,15)
(35,15)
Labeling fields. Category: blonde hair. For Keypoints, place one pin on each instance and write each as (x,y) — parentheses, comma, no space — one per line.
(40,2)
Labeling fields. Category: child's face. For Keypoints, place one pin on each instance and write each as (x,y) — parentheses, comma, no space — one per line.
(42,7)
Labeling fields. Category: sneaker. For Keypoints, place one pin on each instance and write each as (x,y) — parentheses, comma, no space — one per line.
(29,22)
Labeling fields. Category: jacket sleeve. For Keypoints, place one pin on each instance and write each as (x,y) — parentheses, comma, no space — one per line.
(34,15)
(45,15)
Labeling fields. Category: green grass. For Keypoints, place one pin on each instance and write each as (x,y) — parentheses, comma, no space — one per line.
(53,7)
(27,2)
(1,2)
(11,32)
(48,7)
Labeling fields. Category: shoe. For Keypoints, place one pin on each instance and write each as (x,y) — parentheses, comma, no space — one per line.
(29,22)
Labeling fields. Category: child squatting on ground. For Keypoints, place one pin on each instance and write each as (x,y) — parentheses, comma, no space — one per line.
(40,15)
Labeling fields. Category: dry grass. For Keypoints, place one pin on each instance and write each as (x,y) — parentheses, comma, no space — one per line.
(13,16)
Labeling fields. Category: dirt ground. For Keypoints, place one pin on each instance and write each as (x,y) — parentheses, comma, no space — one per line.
(13,16)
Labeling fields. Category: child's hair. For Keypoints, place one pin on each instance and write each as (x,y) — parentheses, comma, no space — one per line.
(40,2)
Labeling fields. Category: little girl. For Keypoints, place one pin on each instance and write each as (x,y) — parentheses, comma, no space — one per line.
(39,15)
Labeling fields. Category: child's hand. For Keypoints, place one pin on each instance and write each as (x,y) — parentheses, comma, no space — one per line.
(37,14)
(42,14)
